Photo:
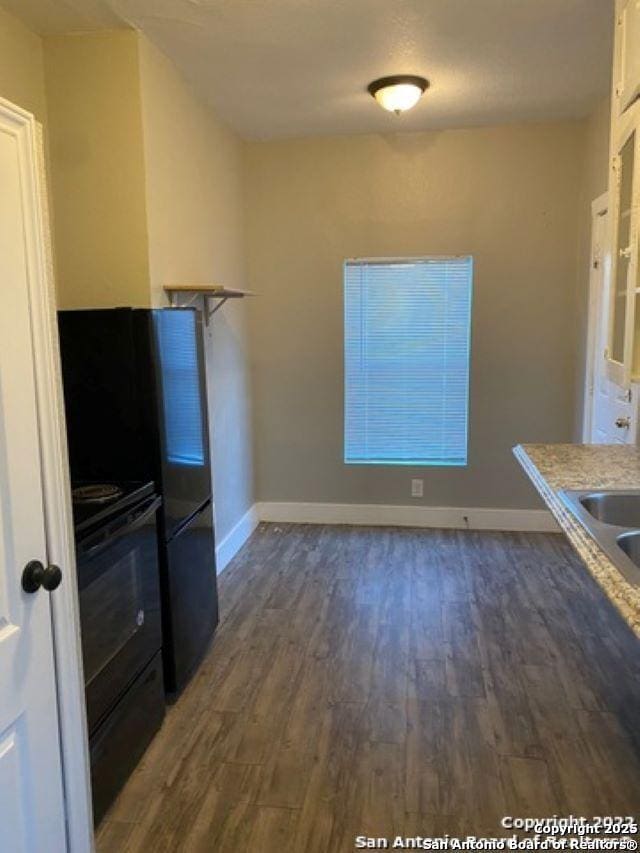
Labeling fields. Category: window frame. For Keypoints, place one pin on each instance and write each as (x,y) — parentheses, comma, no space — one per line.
(397,260)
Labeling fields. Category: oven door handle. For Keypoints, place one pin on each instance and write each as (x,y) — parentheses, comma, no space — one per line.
(106,540)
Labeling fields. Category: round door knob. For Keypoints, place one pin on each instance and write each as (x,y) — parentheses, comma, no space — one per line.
(35,575)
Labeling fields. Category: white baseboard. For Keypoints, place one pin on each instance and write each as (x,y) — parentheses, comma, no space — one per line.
(472,518)
(228,547)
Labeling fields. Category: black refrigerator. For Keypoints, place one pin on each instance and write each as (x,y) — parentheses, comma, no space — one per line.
(136,406)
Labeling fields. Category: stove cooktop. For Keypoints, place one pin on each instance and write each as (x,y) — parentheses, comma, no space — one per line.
(93,493)
(94,503)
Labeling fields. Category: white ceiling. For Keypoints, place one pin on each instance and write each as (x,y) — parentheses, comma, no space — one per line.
(274,68)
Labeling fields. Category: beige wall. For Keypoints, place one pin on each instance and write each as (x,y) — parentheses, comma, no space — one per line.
(508,196)
(21,66)
(594,182)
(195,227)
(97,169)
(596,171)
(147,189)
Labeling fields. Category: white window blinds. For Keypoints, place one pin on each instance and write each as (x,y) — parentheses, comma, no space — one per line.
(407,342)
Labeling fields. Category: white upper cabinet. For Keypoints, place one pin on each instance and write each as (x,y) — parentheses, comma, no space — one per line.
(623,279)
(627,70)
(622,276)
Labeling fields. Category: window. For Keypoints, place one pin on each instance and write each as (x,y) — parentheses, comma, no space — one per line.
(181,390)
(407,340)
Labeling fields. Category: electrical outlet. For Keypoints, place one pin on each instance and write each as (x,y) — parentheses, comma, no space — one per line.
(417,488)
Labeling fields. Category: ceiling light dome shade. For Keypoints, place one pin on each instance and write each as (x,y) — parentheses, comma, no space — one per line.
(398,93)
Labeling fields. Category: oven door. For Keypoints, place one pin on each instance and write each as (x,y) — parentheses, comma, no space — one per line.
(119,605)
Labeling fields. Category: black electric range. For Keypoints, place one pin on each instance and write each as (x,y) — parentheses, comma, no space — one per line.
(119,594)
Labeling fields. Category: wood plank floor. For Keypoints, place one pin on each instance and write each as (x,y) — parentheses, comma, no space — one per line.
(383,681)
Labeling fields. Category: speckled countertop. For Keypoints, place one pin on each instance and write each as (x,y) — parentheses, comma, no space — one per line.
(554,467)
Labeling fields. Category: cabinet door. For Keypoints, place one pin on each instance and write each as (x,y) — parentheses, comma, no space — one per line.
(620,350)
(628,54)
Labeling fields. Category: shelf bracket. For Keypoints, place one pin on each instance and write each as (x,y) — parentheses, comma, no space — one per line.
(208,311)
(213,297)
(207,300)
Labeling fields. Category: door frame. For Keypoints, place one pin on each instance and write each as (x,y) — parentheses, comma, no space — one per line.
(597,302)
(55,472)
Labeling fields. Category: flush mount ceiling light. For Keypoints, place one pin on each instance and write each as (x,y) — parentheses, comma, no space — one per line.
(398,93)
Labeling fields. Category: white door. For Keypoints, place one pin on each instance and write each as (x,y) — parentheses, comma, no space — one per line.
(32,814)
(610,410)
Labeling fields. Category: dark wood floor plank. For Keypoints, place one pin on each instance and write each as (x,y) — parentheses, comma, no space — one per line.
(464,664)
(114,835)
(325,810)
(375,800)
(527,786)
(273,830)
(427,680)
(614,755)
(426,774)
(221,819)
(380,681)
(485,798)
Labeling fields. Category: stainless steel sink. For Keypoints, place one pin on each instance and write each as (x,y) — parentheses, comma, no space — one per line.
(612,518)
(619,508)
(630,544)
